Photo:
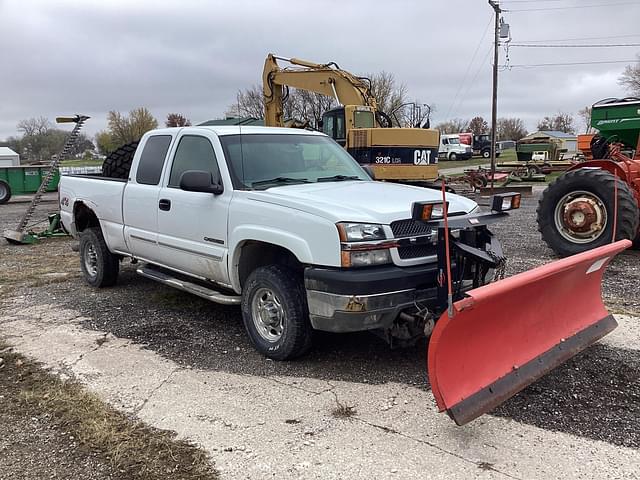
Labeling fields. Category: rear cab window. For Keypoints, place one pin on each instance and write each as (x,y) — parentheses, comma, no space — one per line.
(152,159)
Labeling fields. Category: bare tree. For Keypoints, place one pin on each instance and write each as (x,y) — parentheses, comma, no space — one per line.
(307,106)
(177,120)
(249,103)
(390,96)
(562,122)
(585,116)
(510,129)
(34,126)
(478,125)
(630,78)
(125,129)
(456,125)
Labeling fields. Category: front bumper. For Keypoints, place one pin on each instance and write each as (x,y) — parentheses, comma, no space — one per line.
(366,299)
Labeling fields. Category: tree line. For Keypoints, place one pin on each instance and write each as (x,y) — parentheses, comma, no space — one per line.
(40,139)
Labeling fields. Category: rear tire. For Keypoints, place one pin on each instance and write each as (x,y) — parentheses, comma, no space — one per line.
(486,154)
(118,163)
(99,266)
(275,313)
(5,192)
(598,187)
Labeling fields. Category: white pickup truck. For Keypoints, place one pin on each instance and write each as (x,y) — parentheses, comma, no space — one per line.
(282,222)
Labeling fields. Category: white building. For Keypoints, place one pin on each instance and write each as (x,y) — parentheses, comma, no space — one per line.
(8,158)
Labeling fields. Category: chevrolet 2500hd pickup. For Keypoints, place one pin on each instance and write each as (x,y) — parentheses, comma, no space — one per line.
(280,221)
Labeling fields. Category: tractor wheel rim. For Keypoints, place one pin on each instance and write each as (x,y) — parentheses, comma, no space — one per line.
(581,217)
(268,314)
(91,260)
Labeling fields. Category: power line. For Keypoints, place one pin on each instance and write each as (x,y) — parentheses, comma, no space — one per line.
(464,78)
(584,45)
(580,38)
(532,65)
(571,7)
(473,81)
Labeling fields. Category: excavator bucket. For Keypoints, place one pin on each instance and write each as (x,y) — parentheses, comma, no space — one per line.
(505,335)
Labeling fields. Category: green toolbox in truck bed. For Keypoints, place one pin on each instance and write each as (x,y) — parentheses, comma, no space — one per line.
(24,180)
(619,117)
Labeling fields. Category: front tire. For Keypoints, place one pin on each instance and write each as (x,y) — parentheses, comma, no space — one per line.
(486,154)
(275,313)
(453,157)
(99,266)
(575,213)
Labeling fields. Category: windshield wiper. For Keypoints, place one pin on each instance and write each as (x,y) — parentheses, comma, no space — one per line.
(277,180)
(338,178)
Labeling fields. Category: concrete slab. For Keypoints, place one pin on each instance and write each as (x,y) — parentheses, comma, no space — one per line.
(284,427)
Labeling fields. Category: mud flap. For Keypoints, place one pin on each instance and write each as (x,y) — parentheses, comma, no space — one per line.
(506,335)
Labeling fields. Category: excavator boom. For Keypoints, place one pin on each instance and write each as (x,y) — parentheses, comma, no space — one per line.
(326,79)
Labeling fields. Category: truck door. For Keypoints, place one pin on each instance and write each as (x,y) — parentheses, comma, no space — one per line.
(140,201)
(192,226)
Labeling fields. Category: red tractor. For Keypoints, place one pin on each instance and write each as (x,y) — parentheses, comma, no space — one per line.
(598,201)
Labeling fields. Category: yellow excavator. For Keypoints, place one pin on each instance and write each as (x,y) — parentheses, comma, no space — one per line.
(406,155)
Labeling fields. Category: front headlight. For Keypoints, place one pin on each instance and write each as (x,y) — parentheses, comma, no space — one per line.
(365,258)
(363,244)
(360,232)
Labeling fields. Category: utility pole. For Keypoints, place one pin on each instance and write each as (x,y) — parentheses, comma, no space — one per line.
(494,100)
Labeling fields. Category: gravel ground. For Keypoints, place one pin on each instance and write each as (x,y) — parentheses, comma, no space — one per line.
(602,384)
(33,448)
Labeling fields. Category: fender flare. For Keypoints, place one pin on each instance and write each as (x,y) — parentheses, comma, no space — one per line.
(297,245)
(609,165)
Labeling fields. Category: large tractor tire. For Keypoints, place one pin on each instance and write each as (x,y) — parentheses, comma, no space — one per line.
(576,212)
(118,163)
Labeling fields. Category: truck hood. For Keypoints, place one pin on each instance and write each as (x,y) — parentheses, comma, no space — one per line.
(357,201)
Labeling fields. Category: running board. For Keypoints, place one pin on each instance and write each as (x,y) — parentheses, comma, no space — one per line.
(194,288)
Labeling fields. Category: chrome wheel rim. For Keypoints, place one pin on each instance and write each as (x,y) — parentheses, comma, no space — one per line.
(91,260)
(268,314)
(581,217)
(3,190)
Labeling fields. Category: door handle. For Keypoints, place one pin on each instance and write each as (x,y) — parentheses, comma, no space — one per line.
(164,204)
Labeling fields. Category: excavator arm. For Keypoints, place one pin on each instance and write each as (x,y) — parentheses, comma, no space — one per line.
(326,79)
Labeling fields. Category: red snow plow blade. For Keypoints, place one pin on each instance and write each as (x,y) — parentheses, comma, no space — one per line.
(505,335)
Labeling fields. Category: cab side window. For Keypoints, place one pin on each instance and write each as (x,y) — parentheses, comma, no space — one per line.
(193,153)
(152,159)
(327,126)
(340,133)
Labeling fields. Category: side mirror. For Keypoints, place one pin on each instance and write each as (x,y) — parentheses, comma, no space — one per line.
(200,181)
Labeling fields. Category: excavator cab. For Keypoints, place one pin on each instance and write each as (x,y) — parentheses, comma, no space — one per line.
(335,122)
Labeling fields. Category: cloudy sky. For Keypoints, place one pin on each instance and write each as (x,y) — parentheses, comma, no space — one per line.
(63,57)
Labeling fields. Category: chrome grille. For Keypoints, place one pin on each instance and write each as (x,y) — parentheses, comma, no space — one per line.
(409,228)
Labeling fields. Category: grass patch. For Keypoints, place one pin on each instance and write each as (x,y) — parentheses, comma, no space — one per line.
(472,162)
(342,410)
(34,265)
(81,163)
(132,448)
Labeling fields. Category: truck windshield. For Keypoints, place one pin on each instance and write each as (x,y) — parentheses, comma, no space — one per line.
(260,161)
(454,141)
